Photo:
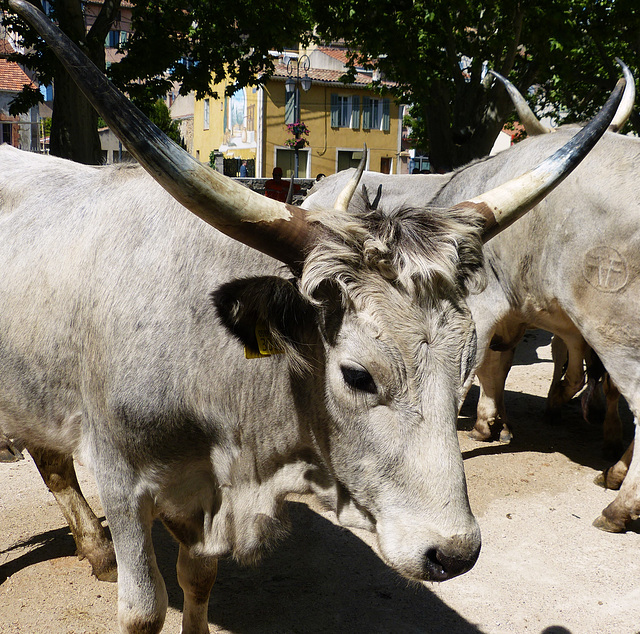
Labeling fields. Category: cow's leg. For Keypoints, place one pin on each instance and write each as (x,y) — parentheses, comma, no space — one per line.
(492,375)
(626,506)
(613,477)
(196,576)
(59,475)
(129,507)
(612,426)
(593,408)
(568,374)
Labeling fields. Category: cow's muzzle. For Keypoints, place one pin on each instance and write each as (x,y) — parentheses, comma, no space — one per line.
(442,564)
(428,555)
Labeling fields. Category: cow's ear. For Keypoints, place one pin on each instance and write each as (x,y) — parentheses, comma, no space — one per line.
(272,305)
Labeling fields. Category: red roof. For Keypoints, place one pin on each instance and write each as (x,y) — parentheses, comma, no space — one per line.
(337,53)
(12,77)
(323,75)
(123,3)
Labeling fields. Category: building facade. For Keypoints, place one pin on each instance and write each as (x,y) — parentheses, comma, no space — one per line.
(340,118)
(21,130)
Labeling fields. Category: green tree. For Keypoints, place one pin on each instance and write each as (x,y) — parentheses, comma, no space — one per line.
(160,114)
(74,126)
(201,43)
(438,53)
(196,43)
(585,58)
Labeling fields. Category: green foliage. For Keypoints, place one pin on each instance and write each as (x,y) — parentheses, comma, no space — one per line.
(207,43)
(161,116)
(582,73)
(437,54)
(46,125)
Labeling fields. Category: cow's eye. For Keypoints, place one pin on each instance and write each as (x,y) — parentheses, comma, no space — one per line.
(358,379)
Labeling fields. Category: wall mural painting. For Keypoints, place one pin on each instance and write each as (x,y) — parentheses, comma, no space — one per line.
(239,122)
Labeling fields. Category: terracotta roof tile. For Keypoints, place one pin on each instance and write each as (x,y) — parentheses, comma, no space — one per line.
(325,75)
(6,48)
(123,3)
(12,77)
(337,53)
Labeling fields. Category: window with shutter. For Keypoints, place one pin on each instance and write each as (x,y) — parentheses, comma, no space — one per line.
(386,116)
(206,114)
(366,113)
(290,107)
(355,112)
(335,111)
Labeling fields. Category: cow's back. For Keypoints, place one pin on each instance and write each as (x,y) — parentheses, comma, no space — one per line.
(105,314)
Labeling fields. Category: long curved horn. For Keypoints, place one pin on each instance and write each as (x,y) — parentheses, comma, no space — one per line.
(270,226)
(628,99)
(535,127)
(508,202)
(528,119)
(343,199)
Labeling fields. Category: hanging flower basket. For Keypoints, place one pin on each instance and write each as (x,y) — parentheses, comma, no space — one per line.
(296,144)
(299,130)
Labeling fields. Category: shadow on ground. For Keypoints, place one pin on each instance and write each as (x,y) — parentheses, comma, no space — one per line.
(38,548)
(580,441)
(320,579)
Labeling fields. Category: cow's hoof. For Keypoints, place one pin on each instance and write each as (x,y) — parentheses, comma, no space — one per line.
(110,576)
(609,526)
(607,481)
(103,565)
(476,434)
(601,480)
(8,453)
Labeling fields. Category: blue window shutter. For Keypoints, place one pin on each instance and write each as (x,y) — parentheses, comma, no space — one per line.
(355,112)
(335,113)
(366,113)
(386,117)
(289,107)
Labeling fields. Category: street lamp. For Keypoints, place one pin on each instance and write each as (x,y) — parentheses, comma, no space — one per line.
(291,86)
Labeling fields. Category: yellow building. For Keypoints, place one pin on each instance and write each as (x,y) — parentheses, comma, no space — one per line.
(340,118)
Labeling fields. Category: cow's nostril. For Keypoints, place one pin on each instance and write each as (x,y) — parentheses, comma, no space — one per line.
(439,567)
(433,567)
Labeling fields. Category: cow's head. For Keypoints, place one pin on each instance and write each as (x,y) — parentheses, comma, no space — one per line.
(392,340)
(377,323)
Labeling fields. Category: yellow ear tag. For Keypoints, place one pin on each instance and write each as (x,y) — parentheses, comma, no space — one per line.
(266,345)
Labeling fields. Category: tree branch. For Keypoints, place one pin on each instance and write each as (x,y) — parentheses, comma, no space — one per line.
(101,27)
(509,58)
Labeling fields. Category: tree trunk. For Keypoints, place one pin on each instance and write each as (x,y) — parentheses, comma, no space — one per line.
(438,116)
(74,125)
(452,145)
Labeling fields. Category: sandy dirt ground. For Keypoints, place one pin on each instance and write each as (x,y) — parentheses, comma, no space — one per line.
(543,567)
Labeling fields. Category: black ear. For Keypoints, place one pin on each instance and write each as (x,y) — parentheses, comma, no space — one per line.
(272,302)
